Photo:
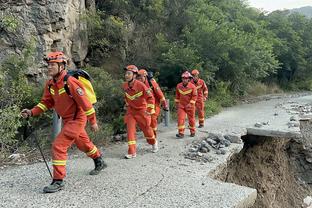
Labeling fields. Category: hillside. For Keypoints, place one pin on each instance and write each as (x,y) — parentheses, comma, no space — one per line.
(307,11)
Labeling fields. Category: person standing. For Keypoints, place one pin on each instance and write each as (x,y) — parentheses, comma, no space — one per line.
(202,95)
(186,95)
(140,106)
(75,110)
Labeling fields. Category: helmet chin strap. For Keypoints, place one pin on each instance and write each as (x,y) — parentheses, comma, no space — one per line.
(58,73)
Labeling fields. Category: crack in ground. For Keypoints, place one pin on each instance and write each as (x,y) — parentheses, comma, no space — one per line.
(148,190)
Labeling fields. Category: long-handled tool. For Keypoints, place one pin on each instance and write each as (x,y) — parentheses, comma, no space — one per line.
(27,132)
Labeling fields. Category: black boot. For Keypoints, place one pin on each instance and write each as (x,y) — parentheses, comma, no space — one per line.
(179,136)
(55,186)
(99,165)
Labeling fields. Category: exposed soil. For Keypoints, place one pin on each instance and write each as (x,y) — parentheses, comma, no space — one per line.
(276,167)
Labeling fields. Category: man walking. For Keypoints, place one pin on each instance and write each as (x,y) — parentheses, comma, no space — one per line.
(186,95)
(140,106)
(75,110)
(202,95)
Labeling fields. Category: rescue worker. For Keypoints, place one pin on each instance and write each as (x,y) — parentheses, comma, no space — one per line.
(186,95)
(202,95)
(140,106)
(75,109)
(158,96)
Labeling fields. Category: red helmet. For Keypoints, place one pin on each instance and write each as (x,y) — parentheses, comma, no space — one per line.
(186,75)
(56,57)
(132,68)
(195,72)
(142,72)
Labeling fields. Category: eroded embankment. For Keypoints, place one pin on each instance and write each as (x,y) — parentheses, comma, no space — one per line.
(278,168)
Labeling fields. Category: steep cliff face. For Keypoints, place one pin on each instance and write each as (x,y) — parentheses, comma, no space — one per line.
(52,24)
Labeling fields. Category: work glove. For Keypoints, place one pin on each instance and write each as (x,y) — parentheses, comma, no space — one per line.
(94,127)
(165,106)
(26,113)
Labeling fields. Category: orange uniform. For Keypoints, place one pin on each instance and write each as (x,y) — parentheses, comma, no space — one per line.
(185,99)
(75,110)
(202,95)
(159,99)
(140,102)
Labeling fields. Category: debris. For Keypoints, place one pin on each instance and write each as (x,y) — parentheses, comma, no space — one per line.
(259,125)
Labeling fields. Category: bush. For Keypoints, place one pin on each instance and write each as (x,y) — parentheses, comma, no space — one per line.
(15,94)
(212,107)
(110,96)
(221,94)
(259,88)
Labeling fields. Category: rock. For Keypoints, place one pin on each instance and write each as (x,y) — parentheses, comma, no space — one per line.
(218,152)
(117,138)
(221,146)
(307,202)
(227,143)
(204,150)
(309,159)
(292,124)
(259,125)
(234,138)
(275,114)
(193,149)
(265,123)
(223,152)
(211,141)
(207,158)
(199,154)
(293,118)
(15,157)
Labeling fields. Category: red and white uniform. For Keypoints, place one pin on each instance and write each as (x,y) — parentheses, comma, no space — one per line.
(186,97)
(202,95)
(75,110)
(140,104)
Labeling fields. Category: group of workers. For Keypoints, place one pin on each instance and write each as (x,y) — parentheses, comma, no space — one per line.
(143,102)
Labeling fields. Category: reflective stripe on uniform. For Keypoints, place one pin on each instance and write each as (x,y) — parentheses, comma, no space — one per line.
(89,112)
(185,92)
(152,106)
(192,101)
(192,127)
(163,99)
(59,162)
(139,94)
(206,92)
(52,91)
(201,119)
(61,91)
(176,100)
(91,152)
(131,142)
(42,106)
(199,86)
(181,127)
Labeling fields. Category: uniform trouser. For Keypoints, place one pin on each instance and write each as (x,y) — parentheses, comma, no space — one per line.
(182,112)
(154,119)
(200,108)
(72,132)
(141,118)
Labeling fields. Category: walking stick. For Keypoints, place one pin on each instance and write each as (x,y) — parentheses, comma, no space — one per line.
(26,129)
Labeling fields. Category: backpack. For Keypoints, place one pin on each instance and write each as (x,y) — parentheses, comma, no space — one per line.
(85,80)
